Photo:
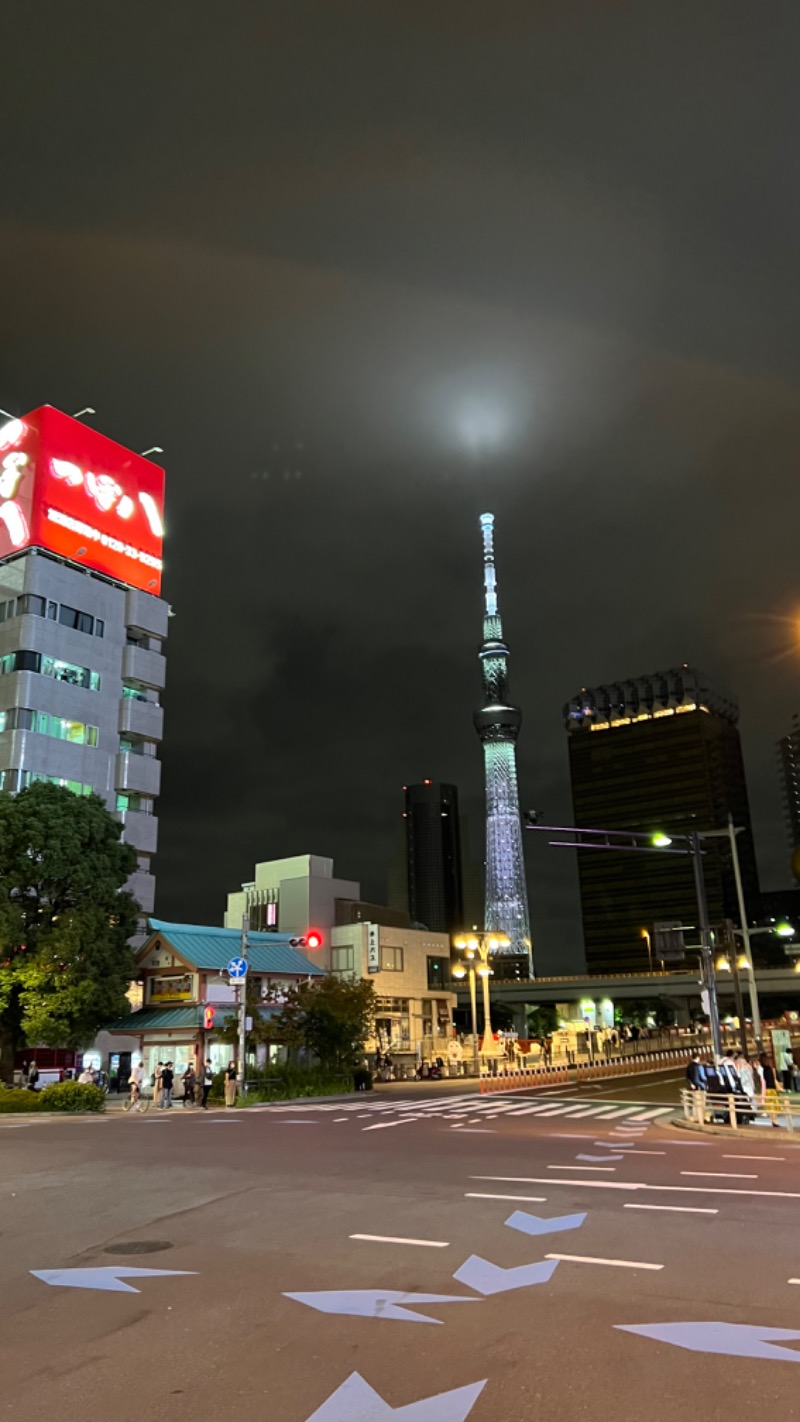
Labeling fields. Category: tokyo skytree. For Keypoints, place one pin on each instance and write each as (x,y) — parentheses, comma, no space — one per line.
(498,726)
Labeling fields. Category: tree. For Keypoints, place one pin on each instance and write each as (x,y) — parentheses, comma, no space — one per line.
(261,1031)
(542,1019)
(65,920)
(331,1018)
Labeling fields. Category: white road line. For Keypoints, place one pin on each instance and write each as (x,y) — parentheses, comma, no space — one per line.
(754,1157)
(675,1209)
(531,1199)
(479,1131)
(582,1167)
(635,1151)
(300,1123)
(590,1111)
(395,1239)
(639,1185)
(650,1115)
(614,1263)
(720,1174)
(385,1125)
(337,1120)
(793,1281)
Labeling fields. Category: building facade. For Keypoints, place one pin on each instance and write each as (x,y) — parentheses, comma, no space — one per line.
(433,856)
(82,629)
(409,969)
(187,996)
(656,753)
(789,763)
(498,724)
(292,896)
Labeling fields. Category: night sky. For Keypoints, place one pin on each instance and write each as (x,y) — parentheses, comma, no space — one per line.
(363,268)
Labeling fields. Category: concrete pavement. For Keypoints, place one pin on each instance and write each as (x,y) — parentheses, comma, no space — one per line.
(265,1204)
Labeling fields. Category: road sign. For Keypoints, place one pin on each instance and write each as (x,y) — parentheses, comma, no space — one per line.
(108,1278)
(356,1401)
(668,942)
(237,968)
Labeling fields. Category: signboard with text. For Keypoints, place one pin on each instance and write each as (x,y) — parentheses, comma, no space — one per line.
(373,948)
(72,491)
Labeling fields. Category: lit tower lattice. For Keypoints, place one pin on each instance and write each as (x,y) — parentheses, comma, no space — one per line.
(498,726)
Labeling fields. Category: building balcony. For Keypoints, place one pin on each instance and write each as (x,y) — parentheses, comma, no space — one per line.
(143,888)
(138,773)
(148,668)
(140,830)
(145,613)
(141,718)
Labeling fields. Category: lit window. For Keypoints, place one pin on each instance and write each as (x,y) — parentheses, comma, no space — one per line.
(391,960)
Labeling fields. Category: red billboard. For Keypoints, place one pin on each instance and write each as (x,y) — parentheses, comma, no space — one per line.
(72,491)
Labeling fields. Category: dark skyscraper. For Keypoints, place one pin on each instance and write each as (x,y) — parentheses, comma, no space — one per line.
(789,757)
(433,856)
(660,752)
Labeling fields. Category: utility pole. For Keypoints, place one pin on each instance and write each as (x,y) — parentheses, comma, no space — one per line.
(755,1011)
(707,955)
(241,989)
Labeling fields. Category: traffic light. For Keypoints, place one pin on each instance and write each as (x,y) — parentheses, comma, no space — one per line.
(209,1014)
(312,939)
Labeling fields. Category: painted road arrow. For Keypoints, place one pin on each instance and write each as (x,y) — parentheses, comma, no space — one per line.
(376,1303)
(487,1278)
(599,1157)
(737,1340)
(534,1224)
(356,1401)
(108,1279)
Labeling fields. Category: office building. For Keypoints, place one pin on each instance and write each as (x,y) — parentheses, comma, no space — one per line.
(498,724)
(789,762)
(433,856)
(657,753)
(82,626)
(292,896)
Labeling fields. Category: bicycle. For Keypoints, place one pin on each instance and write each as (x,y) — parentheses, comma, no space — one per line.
(140,1103)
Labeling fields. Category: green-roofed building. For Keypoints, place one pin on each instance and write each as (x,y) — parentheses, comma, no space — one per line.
(186,993)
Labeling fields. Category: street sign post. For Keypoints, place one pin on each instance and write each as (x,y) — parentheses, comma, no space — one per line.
(237,967)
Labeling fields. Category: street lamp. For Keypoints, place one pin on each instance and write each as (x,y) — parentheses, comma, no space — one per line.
(477,947)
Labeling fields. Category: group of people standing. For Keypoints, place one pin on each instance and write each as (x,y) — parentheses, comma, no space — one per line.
(754,1083)
(196,1085)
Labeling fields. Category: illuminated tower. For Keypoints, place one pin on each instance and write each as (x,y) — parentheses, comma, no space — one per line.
(498,726)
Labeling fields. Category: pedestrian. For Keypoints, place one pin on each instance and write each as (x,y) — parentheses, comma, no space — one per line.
(787,1068)
(769,1095)
(230,1084)
(746,1076)
(167,1082)
(86,1077)
(208,1082)
(135,1083)
(158,1085)
(188,1085)
(696,1073)
(33,1076)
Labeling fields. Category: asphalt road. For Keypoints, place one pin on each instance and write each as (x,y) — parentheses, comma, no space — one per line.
(261,1204)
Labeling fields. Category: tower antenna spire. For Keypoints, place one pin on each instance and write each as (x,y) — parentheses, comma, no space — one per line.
(498,724)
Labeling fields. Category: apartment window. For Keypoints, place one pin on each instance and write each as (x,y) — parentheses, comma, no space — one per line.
(72,617)
(50,666)
(391,960)
(133,693)
(52,611)
(142,804)
(29,777)
(436,967)
(343,962)
(22,718)
(99,627)
(31,604)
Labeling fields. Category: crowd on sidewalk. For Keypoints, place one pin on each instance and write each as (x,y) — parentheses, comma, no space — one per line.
(754,1084)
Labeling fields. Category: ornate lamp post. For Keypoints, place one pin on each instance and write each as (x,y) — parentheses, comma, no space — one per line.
(476,948)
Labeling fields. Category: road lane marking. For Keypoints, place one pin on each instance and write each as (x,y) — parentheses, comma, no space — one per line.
(720,1174)
(582,1167)
(385,1125)
(754,1157)
(397,1239)
(479,1131)
(634,1151)
(614,1263)
(531,1199)
(793,1281)
(337,1120)
(674,1209)
(639,1185)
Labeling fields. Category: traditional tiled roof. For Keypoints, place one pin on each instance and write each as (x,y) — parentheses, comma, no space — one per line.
(210,949)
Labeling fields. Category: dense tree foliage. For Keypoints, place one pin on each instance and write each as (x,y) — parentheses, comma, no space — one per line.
(330,1018)
(65,921)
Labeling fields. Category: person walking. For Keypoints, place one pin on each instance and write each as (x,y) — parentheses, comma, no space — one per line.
(696,1073)
(158,1085)
(787,1068)
(167,1083)
(230,1084)
(33,1076)
(746,1076)
(188,1085)
(207,1083)
(769,1095)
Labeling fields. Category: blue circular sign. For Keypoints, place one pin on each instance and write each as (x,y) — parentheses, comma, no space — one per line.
(237,968)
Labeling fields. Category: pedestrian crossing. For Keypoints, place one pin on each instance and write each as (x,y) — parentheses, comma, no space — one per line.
(462,1109)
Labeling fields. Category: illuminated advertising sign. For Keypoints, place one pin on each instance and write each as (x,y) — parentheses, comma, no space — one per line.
(72,491)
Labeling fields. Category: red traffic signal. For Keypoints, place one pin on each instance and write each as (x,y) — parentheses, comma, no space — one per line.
(208,1018)
(313,938)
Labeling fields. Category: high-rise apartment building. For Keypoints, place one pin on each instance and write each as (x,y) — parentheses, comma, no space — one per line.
(789,761)
(433,856)
(657,753)
(82,626)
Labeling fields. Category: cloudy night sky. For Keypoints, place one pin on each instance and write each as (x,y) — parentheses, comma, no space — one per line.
(363,267)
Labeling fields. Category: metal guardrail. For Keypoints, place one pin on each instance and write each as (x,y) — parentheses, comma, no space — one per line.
(702,1107)
(511,1078)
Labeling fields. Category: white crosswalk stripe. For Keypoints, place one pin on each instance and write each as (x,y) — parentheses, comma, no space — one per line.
(457,1109)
